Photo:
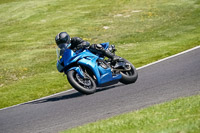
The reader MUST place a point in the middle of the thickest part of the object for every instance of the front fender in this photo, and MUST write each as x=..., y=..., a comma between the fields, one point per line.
x=78, y=70
x=90, y=63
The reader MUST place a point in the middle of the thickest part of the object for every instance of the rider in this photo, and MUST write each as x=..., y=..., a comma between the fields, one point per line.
x=64, y=41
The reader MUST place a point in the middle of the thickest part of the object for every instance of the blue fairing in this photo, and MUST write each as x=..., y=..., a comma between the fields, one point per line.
x=68, y=56
x=87, y=59
x=102, y=75
x=105, y=45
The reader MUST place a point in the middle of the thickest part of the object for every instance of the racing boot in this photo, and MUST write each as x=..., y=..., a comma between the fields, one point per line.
x=110, y=52
x=112, y=56
x=112, y=48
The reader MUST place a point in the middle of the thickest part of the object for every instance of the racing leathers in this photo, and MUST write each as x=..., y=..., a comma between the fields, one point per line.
x=78, y=43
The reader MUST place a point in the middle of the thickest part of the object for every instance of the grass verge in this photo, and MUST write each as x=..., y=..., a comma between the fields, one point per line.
x=178, y=116
x=143, y=31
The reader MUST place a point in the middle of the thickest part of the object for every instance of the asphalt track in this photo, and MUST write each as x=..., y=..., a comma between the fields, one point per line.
x=176, y=77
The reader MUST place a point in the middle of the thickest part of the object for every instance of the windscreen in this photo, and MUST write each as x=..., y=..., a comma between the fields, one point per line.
x=58, y=53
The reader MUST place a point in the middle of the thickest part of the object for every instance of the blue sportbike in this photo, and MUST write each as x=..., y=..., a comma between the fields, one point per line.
x=86, y=71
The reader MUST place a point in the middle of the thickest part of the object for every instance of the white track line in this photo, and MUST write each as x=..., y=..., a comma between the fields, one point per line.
x=137, y=69
x=38, y=99
x=169, y=57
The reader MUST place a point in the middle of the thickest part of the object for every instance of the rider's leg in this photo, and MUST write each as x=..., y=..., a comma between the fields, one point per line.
x=98, y=49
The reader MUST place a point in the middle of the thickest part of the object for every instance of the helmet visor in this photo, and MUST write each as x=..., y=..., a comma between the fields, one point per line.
x=64, y=45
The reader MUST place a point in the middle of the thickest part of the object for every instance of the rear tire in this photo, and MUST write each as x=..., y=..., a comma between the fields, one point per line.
x=129, y=77
x=85, y=86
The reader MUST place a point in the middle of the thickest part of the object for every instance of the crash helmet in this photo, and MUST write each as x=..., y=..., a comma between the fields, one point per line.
x=62, y=39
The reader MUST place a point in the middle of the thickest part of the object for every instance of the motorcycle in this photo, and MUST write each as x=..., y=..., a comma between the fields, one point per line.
x=86, y=71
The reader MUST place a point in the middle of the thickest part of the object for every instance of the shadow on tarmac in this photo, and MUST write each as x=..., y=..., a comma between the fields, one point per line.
x=71, y=95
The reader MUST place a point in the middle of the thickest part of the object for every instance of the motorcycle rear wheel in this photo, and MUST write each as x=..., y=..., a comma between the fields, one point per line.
x=130, y=76
x=85, y=86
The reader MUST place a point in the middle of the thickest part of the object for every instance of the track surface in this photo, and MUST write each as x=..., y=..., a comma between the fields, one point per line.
x=164, y=81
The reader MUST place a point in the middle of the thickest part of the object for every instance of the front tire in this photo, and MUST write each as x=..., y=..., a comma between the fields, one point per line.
x=85, y=86
x=130, y=76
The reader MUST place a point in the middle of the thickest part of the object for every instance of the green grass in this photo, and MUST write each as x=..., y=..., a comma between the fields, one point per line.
x=177, y=116
x=143, y=31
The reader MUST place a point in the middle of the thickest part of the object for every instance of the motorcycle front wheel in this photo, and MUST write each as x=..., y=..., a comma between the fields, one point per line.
x=130, y=76
x=84, y=85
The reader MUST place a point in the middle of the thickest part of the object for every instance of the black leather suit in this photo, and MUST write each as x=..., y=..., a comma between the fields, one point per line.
x=78, y=43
